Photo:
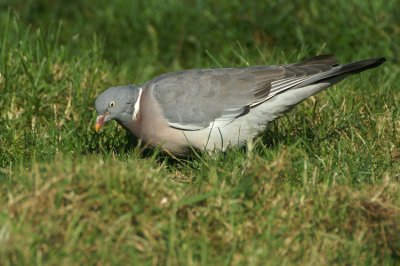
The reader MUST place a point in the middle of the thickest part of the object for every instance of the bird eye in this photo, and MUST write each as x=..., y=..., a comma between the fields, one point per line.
x=112, y=104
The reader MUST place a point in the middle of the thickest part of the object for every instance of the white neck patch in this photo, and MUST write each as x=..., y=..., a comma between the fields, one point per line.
x=137, y=105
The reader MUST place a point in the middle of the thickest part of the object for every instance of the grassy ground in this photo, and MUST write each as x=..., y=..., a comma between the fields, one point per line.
x=321, y=186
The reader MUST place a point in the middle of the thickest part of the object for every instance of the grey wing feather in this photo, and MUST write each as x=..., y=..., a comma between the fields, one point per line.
x=196, y=99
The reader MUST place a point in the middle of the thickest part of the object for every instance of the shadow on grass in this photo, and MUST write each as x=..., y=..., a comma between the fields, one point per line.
x=127, y=145
x=276, y=135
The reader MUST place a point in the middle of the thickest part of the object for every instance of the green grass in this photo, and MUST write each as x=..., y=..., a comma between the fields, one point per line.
x=321, y=186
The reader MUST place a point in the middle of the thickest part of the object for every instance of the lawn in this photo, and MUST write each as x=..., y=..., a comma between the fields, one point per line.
x=321, y=186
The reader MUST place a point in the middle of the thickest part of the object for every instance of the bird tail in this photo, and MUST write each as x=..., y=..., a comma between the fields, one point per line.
x=339, y=72
x=359, y=66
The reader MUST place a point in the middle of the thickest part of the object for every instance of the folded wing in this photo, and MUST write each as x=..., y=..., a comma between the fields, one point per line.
x=197, y=99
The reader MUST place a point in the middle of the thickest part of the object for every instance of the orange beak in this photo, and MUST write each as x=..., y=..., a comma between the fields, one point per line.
x=100, y=122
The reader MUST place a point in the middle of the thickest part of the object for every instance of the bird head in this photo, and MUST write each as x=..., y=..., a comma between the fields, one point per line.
x=116, y=103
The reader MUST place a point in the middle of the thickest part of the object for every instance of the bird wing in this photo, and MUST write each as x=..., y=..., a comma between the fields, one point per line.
x=201, y=98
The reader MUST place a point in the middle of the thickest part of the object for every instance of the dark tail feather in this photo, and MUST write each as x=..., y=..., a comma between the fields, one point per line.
x=357, y=67
x=340, y=72
x=353, y=68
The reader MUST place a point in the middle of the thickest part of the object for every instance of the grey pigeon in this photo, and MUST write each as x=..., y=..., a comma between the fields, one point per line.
x=212, y=109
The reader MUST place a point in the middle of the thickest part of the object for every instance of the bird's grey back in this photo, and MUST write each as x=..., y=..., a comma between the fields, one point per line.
x=193, y=99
